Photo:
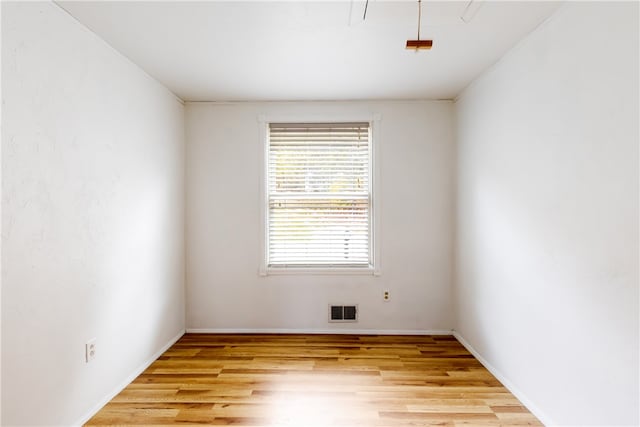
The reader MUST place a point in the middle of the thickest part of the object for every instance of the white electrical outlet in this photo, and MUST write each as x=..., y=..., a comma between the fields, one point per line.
x=386, y=296
x=90, y=350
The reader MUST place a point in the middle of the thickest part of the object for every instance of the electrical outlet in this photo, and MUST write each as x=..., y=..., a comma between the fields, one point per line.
x=386, y=296
x=90, y=350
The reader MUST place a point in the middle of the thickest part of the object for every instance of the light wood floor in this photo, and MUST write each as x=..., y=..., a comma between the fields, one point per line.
x=315, y=380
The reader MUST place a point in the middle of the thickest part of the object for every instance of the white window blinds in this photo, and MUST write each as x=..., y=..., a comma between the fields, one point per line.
x=319, y=195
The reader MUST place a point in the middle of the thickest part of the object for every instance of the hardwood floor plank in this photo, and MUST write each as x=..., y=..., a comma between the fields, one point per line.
x=257, y=380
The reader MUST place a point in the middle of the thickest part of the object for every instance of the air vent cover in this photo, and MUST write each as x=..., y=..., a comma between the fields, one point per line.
x=343, y=313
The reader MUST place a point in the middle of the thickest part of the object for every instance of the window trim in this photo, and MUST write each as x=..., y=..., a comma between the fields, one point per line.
x=374, y=232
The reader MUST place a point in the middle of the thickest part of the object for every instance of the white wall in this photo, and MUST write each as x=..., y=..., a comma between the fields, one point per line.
x=224, y=289
x=547, y=211
x=0, y=233
x=92, y=217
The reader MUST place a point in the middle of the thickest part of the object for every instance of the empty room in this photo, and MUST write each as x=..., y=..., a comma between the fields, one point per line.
x=320, y=213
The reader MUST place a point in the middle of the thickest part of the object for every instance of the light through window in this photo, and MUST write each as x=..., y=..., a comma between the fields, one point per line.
x=319, y=195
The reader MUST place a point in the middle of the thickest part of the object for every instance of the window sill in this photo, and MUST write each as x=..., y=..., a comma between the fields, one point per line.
x=320, y=271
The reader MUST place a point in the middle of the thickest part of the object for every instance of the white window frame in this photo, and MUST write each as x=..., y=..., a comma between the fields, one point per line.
x=374, y=267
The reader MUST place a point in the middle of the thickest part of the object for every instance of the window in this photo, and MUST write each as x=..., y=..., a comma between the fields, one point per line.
x=319, y=195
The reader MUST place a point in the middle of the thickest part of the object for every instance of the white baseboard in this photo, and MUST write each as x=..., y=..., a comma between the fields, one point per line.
x=508, y=384
x=319, y=331
x=128, y=380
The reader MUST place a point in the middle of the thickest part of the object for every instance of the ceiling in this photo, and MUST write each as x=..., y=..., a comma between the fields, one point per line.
x=311, y=50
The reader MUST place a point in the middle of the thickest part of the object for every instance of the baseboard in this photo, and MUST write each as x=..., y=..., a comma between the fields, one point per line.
x=319, y=331
x=128, y=380
x=508, y=384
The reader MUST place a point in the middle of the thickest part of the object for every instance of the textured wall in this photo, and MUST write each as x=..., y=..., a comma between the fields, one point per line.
x=547, y=235
x=92, y=217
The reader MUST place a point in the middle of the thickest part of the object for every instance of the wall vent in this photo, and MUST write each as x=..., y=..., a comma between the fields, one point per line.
x=343, y=313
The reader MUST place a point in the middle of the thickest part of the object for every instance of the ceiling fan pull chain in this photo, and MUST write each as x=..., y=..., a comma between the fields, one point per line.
x=419, y=16
x=419, y=44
